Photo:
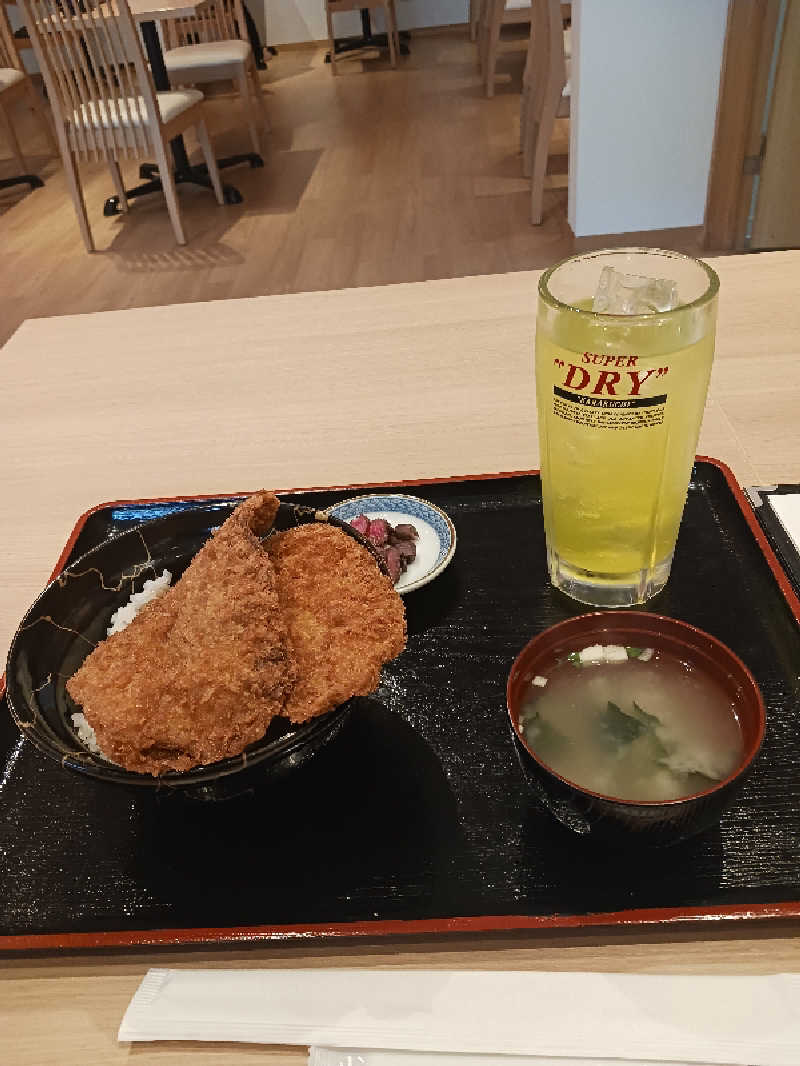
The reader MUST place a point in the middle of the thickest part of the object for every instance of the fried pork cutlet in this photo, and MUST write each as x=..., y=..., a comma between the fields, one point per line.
x=200, y=673
x=344, y=617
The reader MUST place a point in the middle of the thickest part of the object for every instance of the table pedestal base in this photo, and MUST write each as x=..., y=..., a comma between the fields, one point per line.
x=372, y=40
x=22, y=179
x=368, y=39
x=194, y=175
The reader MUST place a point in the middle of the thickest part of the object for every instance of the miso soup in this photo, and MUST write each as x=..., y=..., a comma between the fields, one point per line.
x=632, y=724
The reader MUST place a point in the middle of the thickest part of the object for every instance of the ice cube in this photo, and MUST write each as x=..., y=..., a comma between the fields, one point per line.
x=630, y=294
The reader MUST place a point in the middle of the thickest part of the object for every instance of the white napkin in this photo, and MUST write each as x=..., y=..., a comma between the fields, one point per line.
x=787, y=510
x=326, y=1056
x=735, y=1021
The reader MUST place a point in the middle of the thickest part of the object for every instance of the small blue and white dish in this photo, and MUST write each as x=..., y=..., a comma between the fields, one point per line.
x=437, y=534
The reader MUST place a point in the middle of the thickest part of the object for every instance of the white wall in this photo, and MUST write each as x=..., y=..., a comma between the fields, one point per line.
x=645, y=80
x=291, y=21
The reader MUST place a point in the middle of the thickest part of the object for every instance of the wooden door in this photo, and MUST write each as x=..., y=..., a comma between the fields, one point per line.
x=775, y=220
x=751, y=199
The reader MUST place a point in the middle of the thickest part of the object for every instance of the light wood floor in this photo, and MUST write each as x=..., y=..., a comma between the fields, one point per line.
x=373, y=177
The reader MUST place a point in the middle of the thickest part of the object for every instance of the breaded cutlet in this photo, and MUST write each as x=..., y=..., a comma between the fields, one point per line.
x=200, y=672
x=344, y=617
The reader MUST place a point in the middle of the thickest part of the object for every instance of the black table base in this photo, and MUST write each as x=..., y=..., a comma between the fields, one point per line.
x=188, y=174
x=368, y=39
x=22, y=179
x=374, y=40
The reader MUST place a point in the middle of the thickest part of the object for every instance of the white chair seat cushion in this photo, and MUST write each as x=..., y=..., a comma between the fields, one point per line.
x=9, y=76
x=108, y=114
x=212, y=61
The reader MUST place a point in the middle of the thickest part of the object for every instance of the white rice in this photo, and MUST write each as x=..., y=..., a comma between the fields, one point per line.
x=86, y=734
x=120, y=619
x=151, y=590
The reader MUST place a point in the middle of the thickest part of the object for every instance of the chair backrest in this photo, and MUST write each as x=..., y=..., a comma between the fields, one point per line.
x=9, y=56
x=218, y=20
x=99, y=86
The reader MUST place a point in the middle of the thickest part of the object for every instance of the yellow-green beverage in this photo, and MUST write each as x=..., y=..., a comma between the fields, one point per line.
x=620, y=399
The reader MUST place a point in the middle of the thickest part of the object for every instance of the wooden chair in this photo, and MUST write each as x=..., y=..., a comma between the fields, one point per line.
x=545, y=95
x=104, y=102
x=16, y=85
x=494, y=14
x=475, y=10
x=213, y=46
x=332, y=7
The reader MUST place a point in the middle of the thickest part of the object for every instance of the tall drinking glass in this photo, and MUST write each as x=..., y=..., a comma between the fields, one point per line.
x=620, y=395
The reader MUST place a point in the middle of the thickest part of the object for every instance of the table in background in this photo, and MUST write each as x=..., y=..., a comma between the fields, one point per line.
x=368, y=39
x=22, y=179
x=147, y=13
x=274, y=391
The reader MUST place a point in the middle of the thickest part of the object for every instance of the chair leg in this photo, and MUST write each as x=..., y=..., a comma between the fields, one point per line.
x=523, y=117
x=543, y=137
x=390, y=32
x=527, y=131
x=487, y=7
x=259, y=97
x=75, y=191
x=474, y=19
x=168, y=184
x=113, y=166
x=331, y=43
x=39, y=106
x=492, y=41
x=201, y=132
x=396, y=30
x=529, y=134
x=248, y=103
x=16, y=151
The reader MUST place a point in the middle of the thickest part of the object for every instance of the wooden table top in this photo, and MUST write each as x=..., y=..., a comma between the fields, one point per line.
x=154, y=10
x=333, y=388
x=146, y=10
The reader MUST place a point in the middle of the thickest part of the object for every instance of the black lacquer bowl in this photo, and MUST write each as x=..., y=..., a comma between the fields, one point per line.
x=607, y=819
x=72, y=615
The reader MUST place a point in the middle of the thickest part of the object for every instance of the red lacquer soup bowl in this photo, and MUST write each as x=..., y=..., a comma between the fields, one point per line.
x=607, y=818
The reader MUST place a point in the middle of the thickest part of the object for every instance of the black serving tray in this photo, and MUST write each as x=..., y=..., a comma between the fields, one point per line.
x=416, y=818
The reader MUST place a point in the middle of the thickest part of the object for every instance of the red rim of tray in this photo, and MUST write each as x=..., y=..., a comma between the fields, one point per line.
x=427, y=926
